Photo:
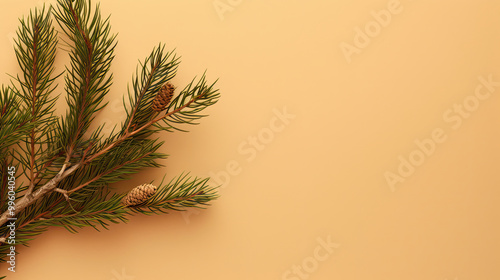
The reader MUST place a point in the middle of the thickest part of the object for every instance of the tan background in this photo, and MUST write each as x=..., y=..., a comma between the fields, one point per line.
x=322, y=174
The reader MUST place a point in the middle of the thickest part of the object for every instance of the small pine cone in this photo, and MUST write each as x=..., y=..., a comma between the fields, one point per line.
x=163, y=97
x=139, y=194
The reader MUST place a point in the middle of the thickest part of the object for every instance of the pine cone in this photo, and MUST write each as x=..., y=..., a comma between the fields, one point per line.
x=163, y=97
x=139, y=194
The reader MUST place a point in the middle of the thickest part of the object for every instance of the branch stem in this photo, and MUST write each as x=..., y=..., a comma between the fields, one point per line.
x=33, y=109
x=27, y=200
x=148, y=124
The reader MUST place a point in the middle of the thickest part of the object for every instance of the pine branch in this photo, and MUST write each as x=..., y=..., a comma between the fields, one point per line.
x=157, y=69
x=88, y=80
x=69, y=171
x=35, y=51
x=99, y=210
x=186, y=107
x=207, y=97
x=178, y=194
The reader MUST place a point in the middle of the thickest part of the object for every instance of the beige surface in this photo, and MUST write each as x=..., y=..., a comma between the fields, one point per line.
x=321, y=174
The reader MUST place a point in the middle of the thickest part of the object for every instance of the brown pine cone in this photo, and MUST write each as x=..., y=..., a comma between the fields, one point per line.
x=163, y=97
x=139, y=194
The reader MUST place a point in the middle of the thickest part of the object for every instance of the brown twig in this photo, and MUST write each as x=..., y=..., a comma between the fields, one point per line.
x=65, y=193
x=47, y=164
x=33, y=110
x=27, y=200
